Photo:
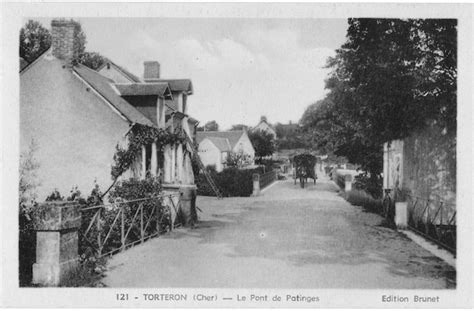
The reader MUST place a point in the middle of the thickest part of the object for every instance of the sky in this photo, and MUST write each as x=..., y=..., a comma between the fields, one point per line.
x=241, y=69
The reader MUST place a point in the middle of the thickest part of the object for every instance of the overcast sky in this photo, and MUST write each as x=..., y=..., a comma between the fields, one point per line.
x=240, y=68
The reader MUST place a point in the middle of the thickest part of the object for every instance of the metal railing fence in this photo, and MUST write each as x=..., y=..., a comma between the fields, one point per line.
x=267, y=178
x=113, y=227
x=433, y=219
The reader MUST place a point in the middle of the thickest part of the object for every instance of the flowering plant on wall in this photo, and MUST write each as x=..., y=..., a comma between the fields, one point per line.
x=142, y=135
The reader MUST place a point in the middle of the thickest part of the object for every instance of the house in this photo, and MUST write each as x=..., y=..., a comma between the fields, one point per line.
x=214, y=147
x=77, y=116
x=264, y=126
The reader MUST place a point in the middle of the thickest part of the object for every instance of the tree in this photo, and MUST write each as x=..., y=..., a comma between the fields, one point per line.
x=237, y=159
x=92, y=60
x=263, y=143
x=28, y=182
x=34, y=40
x=401, y=74
x=239, y=127
x=211, y=126
x=289, y=136
x=390, y=78
x=79, y=41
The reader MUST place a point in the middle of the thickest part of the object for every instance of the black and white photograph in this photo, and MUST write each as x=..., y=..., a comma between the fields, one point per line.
x=238, y=159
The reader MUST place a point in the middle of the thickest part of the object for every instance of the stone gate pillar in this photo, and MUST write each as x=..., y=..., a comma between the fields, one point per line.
x=187, y=206
x=256, y=185
x=348, y=182
x=56, y=224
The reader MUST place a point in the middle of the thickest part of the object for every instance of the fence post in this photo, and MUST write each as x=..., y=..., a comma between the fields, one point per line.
x=401, y=214
x=99, y=243
x=256, y=184
x=427, y=217
x=57, y=241
x=348, y=182
x=122, y=226
x=158, y=225
x=142, y=234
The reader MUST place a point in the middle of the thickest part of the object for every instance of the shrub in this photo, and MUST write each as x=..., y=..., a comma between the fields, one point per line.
x=54, y=196
x=363, y=199
x=231, y=181
x=373, y=186
x=235, y=182
x=28, y=183
x=339, y=179
x=130, y=190
x=75, y=194
x=269, y=164
x=237, y=159
x=133, y=189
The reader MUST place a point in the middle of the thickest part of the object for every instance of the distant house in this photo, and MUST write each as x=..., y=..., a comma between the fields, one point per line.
x=77, y=117
x=264, y=126
x=214, y=147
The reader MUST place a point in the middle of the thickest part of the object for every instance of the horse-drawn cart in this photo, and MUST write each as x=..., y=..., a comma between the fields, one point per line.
x=304, y=167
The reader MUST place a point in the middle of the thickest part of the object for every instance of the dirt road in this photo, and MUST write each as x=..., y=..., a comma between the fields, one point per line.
x=286, y=238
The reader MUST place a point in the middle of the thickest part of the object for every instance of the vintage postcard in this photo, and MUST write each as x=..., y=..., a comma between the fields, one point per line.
x=236, y=155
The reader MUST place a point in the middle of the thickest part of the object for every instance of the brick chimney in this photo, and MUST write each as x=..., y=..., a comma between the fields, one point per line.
x=152, y=71
x=63, y=40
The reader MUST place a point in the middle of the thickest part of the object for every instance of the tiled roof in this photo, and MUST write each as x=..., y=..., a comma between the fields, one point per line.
x=104, y=87
x=232, y=136
x=142, y=89
x=127, y=73
x=222, y=144
x=177, y=85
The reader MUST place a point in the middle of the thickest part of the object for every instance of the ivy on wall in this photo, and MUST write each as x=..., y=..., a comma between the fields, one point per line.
x=142, y=135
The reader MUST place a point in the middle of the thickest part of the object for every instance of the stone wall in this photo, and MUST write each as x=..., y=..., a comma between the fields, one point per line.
x=424, y=166
x=430, y=165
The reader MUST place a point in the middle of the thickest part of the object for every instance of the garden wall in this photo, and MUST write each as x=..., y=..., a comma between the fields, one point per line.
x=424, y=166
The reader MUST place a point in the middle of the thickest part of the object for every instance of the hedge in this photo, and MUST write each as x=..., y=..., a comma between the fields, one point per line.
x=361, y=198
x=233, y=182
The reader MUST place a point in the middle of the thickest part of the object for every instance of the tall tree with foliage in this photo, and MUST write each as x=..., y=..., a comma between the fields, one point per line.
x=92, y=60
x=263, y=143
x=239, y=127
x=211, y=126
x=390, y=78
x=36, y=39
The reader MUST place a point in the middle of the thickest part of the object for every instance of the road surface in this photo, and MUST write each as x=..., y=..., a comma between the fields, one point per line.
x=286, y=238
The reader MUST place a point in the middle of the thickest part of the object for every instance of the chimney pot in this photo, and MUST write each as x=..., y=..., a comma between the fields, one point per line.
x=63, y=40
x=152, y=71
